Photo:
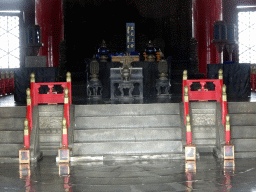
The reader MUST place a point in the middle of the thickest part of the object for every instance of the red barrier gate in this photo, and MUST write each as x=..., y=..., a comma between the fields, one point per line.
x=203, y=93
x=34, y=97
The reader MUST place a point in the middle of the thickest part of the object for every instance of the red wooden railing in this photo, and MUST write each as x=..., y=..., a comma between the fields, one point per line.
x=6, y=83
x=35, y=98
x=203, y=94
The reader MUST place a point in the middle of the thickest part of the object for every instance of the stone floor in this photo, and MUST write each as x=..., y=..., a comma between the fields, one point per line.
x=122, y=176
x=207, y=174
x=8, y=101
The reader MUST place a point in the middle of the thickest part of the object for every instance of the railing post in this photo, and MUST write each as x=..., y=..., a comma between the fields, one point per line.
x=29, y=109
x=227, y=130
x=188, y=131
x=186, y=103
x=63, y=152
x=224, y=104
x=32, y=87
x=26, y=134
x=190, y=150
x=24, y=154
x=221, y=76
x=68, y=79
x=184, y=83
x=64, y=133
x=229, y=149
x=66, y=106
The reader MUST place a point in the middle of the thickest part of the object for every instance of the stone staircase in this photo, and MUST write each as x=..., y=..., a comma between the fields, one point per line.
x=204, y=125
x=243, y=128
x=11, y=132
x=50, y=126
x=127, y=132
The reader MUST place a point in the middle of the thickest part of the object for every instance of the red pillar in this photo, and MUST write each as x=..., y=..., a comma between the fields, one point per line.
x=49, y=15
x=204, y=13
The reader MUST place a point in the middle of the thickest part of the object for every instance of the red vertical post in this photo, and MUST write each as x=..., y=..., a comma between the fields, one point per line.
x=26, y=135
x=204, y=14
x=224, y=104
x=64, y=133
x=186, y=103
x=184, y=82
x=49, y=16
x=66, y=106
x=68, y=79
x=33, y=89
x=227, y=131
x=188, y=130
x=29, y=110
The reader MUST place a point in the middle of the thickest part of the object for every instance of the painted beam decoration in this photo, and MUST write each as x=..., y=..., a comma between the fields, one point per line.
x=130, y=37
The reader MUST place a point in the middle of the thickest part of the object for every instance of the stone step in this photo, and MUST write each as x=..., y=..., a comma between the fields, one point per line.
x=12, y=124
x=243, y=119
x=244, y=145
x=50, y=122
x=241, y=107
x=127, y=148
x=17, y=111
x=51, y=110
x=11, y=137
x=243, y=132
x=127, y=121
x=129, y=110
x=50, y=138
x=10, y=150
x=205, y=148
x=204, y=132
x=136, y=134
x=203, y=105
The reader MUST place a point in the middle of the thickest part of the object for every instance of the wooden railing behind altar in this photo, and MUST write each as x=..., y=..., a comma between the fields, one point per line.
x=6, y=83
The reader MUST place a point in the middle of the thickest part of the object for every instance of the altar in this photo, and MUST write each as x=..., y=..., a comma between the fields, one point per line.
x=143, y=72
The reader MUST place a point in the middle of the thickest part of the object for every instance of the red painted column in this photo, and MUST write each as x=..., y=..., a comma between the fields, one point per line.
x=204, y=13
x=49, y=15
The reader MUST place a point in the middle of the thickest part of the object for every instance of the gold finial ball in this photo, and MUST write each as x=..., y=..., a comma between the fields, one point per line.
x=32, y=75
x=66, y=91
x=64, y=121
x=227, y=118
x=186, y=89
x=28, y=92
x=224, y=88
x=185, y=72
x=26, y=123
x=68, y=77
x=188, y=118
x=221, y=71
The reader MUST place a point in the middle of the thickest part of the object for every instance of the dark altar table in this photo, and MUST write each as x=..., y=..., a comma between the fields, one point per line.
x=150, y=75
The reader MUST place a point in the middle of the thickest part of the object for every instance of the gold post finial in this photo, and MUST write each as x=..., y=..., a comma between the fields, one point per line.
x=28, y=96
x=224, y=93
x=64, y=126
x=220, y=74
x=185, y=75
x=68, y=77
x=66, y=97
x=227, y=123
x=188, y=125
x=26, y=131
x=32, y=78
x=186, y=93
